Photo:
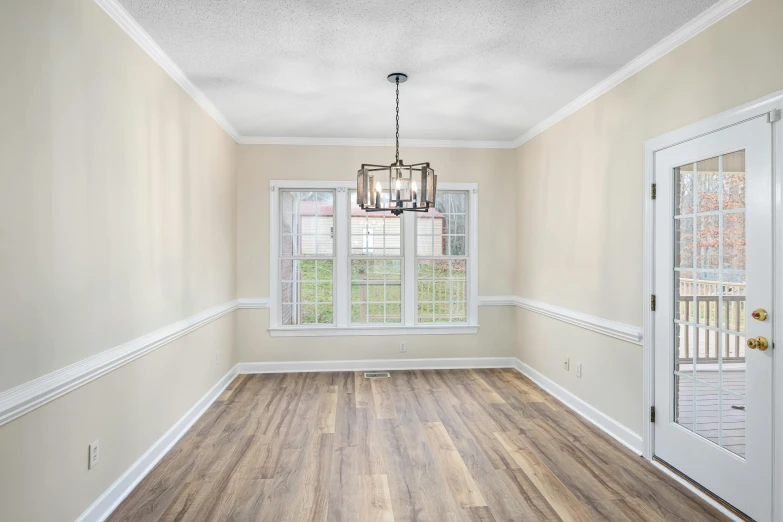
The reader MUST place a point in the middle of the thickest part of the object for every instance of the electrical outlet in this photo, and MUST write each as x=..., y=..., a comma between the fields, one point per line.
x=578, y=369
x=403, y=347
x=217, y=358
x=567, y=364
x=94, y=454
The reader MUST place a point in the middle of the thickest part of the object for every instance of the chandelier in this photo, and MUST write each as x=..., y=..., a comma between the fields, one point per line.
x=409, y=187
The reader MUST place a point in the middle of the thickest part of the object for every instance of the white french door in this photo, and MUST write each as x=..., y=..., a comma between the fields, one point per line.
x=713, y=287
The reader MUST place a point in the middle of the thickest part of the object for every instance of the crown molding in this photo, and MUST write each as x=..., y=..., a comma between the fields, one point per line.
x=129, y=24
x=33, y=394
x=376, y=142
x=706, y=19
x=671, y=42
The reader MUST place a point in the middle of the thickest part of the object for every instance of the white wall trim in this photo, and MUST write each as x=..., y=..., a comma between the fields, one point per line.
x=111, y=498
x=253, y=302
x=375, y=364
x=498, y=300
x=333, y=331
x=376, y=142
x=611, y=427
x=777, y=481
x=622, y=331
x=132, y=28
x=675, y=39
x=706, y=19
x=33, y=394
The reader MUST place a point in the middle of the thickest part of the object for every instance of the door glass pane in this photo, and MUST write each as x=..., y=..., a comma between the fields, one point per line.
x=708, y=183
x=706, y=411
x=683, y=242
x=709, y=294
x=733, y=415
x=707, y=241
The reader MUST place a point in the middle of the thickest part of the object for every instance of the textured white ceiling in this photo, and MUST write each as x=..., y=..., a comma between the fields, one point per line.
x=479, y=70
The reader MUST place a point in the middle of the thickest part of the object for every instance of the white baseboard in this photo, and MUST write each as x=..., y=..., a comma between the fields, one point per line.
x=614, y=429
x=111, y=498
x=372, y=365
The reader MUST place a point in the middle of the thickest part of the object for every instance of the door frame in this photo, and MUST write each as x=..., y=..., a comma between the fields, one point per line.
x=773, y=106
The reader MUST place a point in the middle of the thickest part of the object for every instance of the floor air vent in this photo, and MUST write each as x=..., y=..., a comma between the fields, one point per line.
x=376, y=375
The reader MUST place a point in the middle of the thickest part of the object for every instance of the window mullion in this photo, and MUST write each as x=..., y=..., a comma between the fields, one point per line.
x=342, y=269
x=409, y=269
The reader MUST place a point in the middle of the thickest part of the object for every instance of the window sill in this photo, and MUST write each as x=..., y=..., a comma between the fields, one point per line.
x=333, y=331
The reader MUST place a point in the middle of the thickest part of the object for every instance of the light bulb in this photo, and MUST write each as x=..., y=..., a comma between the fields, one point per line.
x=378, y=186
x=398, y=184
x=413, y=186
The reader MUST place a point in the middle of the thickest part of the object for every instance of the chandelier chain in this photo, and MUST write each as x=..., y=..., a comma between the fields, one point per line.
x=397, y=136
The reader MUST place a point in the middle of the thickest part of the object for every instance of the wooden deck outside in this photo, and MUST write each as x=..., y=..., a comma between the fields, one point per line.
x=713, y=333
x=708, y=410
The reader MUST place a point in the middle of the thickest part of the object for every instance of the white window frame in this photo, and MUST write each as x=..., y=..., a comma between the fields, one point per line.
x=342, y=277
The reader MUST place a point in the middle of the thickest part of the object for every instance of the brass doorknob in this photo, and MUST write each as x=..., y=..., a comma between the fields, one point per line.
x=759, y=343
x=759, y=314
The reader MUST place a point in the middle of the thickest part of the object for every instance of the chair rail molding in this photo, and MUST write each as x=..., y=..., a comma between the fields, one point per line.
x=622, y=331
x=253, y=302
x=33, y=394
x=498, y=300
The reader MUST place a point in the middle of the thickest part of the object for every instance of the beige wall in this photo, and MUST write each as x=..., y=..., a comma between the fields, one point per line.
x=579, y=195
x=117, y=217
x=43, y=455
x=492, y=169
x=125, y=208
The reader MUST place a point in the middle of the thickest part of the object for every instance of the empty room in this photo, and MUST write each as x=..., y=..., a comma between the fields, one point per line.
x=391, y=261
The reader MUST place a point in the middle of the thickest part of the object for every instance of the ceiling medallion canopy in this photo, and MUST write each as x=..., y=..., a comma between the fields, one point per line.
x=409, y=187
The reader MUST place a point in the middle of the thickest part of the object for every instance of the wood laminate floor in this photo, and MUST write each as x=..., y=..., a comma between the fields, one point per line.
x=445, y=445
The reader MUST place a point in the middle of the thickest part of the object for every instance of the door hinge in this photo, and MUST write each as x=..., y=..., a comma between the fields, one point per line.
x=652, y=413
x=652, y=303
x=773, y=116
x=653, y=191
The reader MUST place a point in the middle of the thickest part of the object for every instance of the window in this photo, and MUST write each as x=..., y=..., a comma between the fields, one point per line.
x=307, y=257
x=338, y=270
x=442, y=260
x=376, y=266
